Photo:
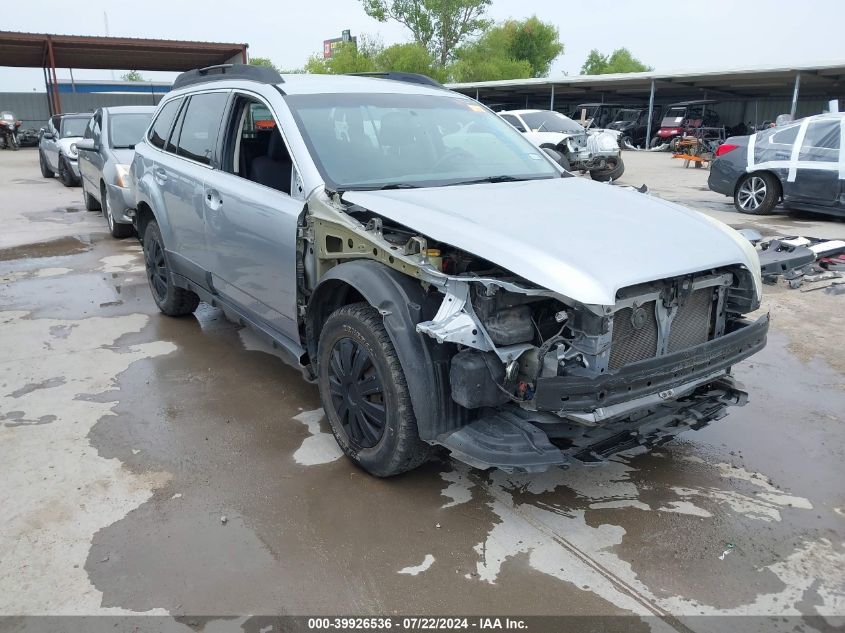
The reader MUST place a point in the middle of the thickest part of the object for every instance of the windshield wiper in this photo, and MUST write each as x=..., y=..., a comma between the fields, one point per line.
x=397, y=185
x=502, y=178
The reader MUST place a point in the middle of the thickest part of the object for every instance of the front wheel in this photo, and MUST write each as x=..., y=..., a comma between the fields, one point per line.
x=170, y=299
x=45, y=167
x=615, y=169
x=757, y=193
x=117, y=230
x=365, y=395
x=65, y=173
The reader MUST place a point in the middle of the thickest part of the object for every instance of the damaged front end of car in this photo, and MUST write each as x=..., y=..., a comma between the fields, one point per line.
x=536, y=378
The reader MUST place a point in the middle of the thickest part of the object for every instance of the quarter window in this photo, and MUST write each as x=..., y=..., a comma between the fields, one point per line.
x=198, y=136
x=163, y=123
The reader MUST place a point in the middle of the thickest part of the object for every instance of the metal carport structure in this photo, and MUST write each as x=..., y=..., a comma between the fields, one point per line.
x=49, y=51
x=823, y=81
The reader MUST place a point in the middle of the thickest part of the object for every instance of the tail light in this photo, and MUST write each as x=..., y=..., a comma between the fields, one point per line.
x=724, y=148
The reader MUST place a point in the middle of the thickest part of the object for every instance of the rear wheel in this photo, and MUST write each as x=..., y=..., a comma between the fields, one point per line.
x=365, y=395
x=45, y=167
x=757, y=193
x=170, y=299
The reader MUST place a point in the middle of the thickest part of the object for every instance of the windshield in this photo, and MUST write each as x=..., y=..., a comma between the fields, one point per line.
x=628, y=115
x=7, y=116
x=126, y=130
x=371, y=141
x=674, y=116
x=551, y=122
x=73, y=126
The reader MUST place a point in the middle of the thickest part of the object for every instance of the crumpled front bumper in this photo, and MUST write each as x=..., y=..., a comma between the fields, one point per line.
x=120, y=201
x=658, y=375
x=642, y=404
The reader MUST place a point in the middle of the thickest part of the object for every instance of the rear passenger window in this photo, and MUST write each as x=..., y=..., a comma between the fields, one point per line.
x=163, y=123
x=201, y=123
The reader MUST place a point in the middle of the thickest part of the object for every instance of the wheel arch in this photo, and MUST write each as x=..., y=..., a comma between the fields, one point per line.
x=758, y=172
x=403, y=303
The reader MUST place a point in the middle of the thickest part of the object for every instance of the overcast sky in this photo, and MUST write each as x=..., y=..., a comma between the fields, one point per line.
x=669, y=35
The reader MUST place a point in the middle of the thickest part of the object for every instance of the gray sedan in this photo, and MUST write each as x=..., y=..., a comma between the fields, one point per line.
x=800, y=164
x=105, y=153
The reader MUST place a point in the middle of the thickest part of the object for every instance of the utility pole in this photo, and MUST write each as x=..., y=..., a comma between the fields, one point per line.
x=106, y=25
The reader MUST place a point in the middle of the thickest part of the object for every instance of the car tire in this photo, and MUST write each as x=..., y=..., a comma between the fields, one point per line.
x=91, y=203
x=611, y=173
x=170, y=299
x=757, y=193
x=65, y=174
x=45, y=167
x=117, y=230
x=376, y=426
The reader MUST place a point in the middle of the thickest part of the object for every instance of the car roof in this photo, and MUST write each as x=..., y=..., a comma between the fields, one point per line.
x=75, y=115
x=133, y=109
x=528, y=111
x=592, y=105
x=303, y=83
x=693, y=102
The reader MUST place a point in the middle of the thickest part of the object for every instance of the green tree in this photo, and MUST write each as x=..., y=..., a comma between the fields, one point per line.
x=409, y=58
x=132, y=75
x=439, y=25
x=347, y=57
x=262, y=61
x=511, y=50
x=619, y=61
x=535, y=41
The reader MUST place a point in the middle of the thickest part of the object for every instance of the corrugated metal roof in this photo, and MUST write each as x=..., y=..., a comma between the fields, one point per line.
x=83, y=51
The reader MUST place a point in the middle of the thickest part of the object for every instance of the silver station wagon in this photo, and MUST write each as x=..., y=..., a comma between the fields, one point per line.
x=441, y=279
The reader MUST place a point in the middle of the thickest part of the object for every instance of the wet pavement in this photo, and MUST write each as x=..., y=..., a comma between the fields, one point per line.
x=179, y=466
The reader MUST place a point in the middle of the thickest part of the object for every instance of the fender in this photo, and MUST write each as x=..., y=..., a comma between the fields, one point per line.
x=402, y=303
x=148, y=191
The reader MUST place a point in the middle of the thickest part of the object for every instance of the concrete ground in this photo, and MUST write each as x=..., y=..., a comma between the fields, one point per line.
x=177, y=466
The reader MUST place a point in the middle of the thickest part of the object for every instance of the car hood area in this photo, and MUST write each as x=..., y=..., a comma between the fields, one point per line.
x=577, y=238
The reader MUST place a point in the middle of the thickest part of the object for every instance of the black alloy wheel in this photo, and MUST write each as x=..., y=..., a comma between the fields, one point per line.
x=156, y=269
x=357, y=393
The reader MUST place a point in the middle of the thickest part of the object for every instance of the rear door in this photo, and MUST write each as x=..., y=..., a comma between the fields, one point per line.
x=180, y=171
x=814, y=179
x=251, y=222
x=85, y=156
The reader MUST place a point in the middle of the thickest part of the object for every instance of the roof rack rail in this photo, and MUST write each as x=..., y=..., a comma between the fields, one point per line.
x=261, y=74
x=411, y=78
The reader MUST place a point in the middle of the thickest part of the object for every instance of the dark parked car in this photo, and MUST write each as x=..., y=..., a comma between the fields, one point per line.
x=105, y=154
x=632, y=124
x=684, y=118
x=798, y=164
x=597, y=115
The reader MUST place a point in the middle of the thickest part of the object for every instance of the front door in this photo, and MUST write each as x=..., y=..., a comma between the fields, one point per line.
x=50, y=146
x=252, y=218
x=91, y=161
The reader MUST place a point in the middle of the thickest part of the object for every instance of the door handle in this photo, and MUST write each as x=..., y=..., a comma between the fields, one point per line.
x=160, y=174
x=212, y=199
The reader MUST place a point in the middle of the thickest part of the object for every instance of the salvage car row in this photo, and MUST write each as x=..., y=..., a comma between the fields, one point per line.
x=95, y=151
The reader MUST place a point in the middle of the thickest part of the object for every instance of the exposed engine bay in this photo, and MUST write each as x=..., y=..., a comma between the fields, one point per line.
x=542, y=378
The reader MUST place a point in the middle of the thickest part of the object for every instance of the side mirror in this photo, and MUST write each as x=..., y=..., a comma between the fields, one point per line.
x=48, y=135
x=87, y=143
